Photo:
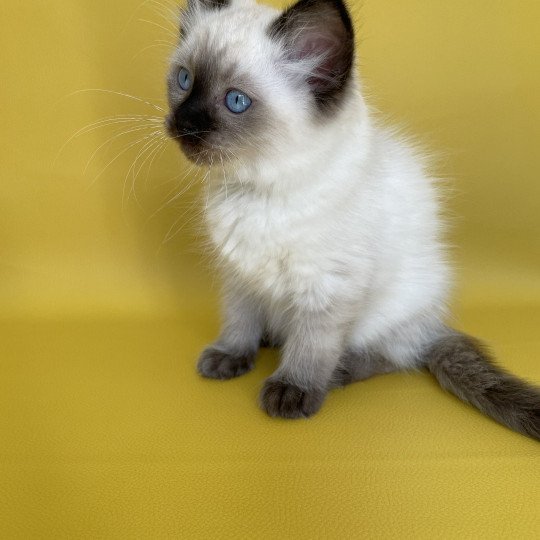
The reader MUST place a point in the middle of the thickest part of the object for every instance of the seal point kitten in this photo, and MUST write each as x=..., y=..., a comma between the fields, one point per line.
x=326, y=226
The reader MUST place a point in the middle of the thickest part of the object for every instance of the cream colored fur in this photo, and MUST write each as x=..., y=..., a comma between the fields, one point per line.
x=327, y=229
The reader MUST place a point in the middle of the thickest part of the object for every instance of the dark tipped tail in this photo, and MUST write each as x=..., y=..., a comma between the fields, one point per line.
x=463, y=366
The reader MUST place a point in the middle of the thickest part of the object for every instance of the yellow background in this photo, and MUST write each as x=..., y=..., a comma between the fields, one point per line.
x=107, y=432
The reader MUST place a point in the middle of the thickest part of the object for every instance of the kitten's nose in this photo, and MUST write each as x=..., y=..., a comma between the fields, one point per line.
x=189, y=135
x=193, y=121
x=187, y=128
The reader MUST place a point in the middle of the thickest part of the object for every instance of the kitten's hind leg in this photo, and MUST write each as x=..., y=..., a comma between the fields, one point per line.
x=358, y=365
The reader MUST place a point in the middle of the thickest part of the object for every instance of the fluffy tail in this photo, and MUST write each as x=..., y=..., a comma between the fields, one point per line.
x=462, y=366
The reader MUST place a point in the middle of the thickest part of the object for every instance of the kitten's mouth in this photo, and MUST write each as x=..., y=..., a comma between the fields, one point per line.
x=197, y=152
x=193, y=146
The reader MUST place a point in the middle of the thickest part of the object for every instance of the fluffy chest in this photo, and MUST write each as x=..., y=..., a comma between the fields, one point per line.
x=255, y=238
x=270, y=246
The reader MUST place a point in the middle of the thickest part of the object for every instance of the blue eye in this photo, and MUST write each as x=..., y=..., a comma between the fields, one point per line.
x=236, y=101
x=184, y=79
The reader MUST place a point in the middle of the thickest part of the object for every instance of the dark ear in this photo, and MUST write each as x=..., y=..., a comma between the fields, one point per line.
x=321, y=31
x=208, y=4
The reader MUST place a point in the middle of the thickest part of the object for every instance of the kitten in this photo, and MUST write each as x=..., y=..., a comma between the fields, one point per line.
x=325, y=225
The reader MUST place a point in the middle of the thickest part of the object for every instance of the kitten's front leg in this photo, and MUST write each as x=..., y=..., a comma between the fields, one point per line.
x=311, y=353
x=233, y=354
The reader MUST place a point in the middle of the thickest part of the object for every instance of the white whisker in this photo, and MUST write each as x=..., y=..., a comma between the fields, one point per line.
x=110, y=140
x=153, y=46
x=155, y=158
x=153, y=23
x=105, y=122
x=148, y=144
x=117, y=93
x=128, y=147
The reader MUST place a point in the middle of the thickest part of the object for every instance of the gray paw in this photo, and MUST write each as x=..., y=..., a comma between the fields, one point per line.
x=280, y=398
x=218, y=364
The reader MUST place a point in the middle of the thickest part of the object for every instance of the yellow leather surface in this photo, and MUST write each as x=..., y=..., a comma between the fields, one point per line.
x=107, y=432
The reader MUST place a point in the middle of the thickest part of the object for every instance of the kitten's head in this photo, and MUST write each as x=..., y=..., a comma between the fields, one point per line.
x=246, y=76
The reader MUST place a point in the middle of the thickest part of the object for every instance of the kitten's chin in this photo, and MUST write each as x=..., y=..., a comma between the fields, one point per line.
x=194, y=149
x=200, y=154
x=191, y=150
